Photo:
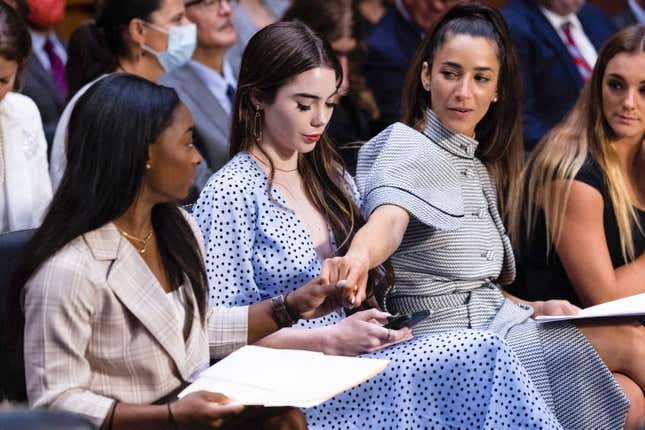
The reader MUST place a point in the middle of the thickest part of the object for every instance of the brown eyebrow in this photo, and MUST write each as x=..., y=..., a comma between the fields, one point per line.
x=313, y=96
x=617, y=76
x=460, y=67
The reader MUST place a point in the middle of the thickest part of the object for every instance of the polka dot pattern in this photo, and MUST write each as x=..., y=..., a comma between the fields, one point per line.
x=256, y=249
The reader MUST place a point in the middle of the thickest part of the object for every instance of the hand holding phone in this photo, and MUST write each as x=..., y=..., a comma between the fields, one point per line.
x=396, y=322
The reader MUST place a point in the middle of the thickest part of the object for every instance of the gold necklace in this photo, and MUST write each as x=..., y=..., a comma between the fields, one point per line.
x=145, y=240
x=269, y=166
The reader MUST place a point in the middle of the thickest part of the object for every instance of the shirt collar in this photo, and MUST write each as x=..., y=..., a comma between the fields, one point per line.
x=219, y=81
x=38, y=39
x=455, y=143
x=557, y=20
x=637, y=10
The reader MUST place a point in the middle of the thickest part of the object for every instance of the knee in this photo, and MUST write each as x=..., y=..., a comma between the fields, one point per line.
x=636, y=414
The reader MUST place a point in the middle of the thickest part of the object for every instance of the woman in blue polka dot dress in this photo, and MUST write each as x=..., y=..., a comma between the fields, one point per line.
x=283, y=204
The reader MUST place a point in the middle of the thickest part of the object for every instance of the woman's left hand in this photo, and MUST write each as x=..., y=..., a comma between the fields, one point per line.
x=553, y=307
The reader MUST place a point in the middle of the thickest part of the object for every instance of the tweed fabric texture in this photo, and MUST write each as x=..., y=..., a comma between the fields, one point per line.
x=452, y=261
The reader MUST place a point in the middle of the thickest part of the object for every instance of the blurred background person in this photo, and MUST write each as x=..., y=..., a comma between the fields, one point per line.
x=390, y=47
x=633, y=13
x=25, y=188
x=208, y=82
x=582, y=236
x=355, y=112
x=132, y=36
x=366, y=14
x=251, y=16
x=557, y=43
x=44, y=76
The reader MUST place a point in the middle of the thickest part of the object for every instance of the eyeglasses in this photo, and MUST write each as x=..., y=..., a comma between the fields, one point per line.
x=207, y=3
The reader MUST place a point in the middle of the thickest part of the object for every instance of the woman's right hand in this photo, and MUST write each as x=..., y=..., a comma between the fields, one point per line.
x=203, y=409
x=362, y=333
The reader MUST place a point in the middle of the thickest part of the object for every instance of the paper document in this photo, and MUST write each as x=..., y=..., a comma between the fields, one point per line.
x=255, y=375
x=631, y=306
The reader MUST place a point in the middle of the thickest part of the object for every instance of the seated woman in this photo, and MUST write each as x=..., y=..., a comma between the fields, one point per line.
x=114, y=286
x=283, y=204
x=25, y=188
x=430, y=189
x=131, y=36
x=586, y=182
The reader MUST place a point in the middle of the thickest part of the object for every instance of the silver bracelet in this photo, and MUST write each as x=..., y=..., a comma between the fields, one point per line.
x=281, y=313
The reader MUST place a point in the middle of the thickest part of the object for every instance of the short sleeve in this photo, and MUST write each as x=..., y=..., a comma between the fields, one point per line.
x=402, y=167
x=225, y=213
x=591, y=174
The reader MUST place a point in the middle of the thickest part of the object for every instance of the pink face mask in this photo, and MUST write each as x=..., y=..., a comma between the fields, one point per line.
x=46, y=13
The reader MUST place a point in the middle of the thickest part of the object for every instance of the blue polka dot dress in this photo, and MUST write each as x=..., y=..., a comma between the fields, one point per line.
x=465, y=379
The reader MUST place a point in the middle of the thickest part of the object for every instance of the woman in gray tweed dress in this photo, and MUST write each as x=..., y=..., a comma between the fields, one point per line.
x=429, y=188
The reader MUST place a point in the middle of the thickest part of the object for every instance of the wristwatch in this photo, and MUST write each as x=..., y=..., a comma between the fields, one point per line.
x=281, y=313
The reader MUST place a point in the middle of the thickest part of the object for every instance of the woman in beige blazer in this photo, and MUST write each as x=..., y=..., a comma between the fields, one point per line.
x=114, y=294
x=25, y=188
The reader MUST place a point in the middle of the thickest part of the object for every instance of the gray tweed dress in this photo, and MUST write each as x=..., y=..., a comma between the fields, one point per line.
x=455, y=254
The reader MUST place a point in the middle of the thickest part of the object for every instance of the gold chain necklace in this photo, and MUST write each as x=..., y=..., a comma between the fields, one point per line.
x=145, y=240
x=269, y=166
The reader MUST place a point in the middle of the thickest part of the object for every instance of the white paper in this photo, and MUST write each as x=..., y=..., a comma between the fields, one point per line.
x=255, y=375
x=631, y=306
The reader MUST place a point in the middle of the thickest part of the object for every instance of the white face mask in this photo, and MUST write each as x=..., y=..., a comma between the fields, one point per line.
x=182, y=41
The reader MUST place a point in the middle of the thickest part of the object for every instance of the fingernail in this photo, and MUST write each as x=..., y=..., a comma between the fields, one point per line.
x=353, y=299
x=355, y=288
x=342, y=283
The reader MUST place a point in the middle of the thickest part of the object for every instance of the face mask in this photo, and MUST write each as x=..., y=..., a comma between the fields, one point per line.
x=182, y=40
x=44, y=14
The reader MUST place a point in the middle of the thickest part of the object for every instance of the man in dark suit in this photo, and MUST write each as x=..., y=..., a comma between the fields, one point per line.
x=557, y=43
x=391, y=46
x=44, y=74
x=634, y=13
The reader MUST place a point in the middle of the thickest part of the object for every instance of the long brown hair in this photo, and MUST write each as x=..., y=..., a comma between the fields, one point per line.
x=499, y=133
x=585, y=132
x=274, y=56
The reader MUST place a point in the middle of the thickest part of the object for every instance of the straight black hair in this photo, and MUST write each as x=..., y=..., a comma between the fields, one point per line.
x=107, y=155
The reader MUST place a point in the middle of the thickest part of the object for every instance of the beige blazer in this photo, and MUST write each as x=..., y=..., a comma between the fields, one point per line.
x=99, y=327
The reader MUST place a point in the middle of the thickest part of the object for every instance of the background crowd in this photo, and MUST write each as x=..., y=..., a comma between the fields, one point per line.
x=555, y=157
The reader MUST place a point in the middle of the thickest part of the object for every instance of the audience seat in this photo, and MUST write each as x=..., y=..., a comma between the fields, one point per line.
x=12, y=382
x=42, y=420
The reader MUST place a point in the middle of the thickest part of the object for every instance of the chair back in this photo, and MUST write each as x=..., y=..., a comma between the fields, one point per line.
x=12, y=382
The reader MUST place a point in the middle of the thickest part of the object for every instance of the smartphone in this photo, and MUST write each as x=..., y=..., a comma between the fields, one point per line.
x=396, y=322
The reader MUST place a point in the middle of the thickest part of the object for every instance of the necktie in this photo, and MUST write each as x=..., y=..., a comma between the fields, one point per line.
x=57, y=67
x=230, y=93
x=583, y=67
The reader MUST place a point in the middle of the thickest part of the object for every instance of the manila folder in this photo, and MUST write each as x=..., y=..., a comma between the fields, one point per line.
x=255, y=375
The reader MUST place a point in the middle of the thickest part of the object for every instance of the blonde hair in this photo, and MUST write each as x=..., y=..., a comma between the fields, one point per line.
x=562, y=153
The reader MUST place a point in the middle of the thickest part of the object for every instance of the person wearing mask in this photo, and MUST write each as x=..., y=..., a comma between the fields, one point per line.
x=114, y=289
x=390, y=47
x=557, y=43
x=585, y=182
x=633, y=13
x=207, y=83
x=437, y=190
x=44, y=76
x=142, y=37
x=25, y=188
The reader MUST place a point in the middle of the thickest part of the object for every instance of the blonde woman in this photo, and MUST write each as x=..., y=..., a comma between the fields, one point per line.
x=582, y=235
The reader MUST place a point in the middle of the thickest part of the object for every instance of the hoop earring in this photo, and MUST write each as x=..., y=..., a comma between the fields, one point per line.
x=257, y=126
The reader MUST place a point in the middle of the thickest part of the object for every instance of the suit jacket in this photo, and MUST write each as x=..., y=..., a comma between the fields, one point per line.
x=38, y=84
x=551, y=80
x=28, y=188
x=99, y=328
x=391, y=46
x=212, y=122
x=625, y=18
